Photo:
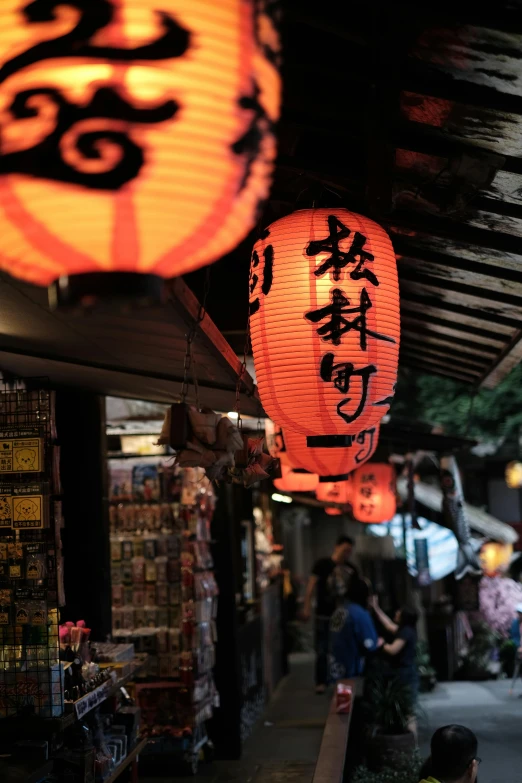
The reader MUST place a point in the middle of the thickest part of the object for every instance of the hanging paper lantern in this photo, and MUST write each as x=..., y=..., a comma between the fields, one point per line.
x=496, y=557
x=334, y=492
x=296, y=480
x=137, y=135
x=275, y=443
x=324, y=308
x=374, y=497
x=332, y=511
x=514, y=475
x=334, y=462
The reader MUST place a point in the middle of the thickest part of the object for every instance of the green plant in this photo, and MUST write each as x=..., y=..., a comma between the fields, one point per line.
x=507, y=654
x=476, y=664
x=427, y=674
x=406, y=769
x=389, y=705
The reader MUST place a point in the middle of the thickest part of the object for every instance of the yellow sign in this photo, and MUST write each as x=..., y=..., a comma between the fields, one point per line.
x=27, y=511
x=21, y=455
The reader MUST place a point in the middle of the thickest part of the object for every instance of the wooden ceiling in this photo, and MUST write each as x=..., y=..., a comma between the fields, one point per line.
x=412, y=114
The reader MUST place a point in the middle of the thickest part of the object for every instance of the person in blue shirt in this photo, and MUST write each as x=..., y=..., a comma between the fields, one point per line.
x=516, y=636
x=352, y=633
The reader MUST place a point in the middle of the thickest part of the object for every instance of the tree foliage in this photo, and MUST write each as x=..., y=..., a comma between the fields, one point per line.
x=462, y=410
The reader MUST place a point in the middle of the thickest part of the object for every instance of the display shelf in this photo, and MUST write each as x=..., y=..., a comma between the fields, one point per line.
x=74, y=713
x=128, y=760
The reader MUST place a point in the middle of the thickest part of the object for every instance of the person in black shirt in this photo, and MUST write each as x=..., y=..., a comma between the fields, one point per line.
x=329, y=581
x=401, y=652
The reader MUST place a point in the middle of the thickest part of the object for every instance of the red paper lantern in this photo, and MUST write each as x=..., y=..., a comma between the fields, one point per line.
x=324, y=314
x=275, y=443
x=137, y=135
x=334, y=492
x=332, y=511
x=335, y=462
x=374, y=497
x=296, y=481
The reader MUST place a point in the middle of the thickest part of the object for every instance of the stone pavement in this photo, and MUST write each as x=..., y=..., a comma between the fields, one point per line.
x=285, y=744
x=488, y=710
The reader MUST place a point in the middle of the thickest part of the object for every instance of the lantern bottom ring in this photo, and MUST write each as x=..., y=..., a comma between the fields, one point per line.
x=333, y=479
x=86, y=290
x=329, y=441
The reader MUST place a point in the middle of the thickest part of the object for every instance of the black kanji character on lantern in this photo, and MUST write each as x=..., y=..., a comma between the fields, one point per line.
x=342, y=374
x=368, y=478
x=339, y=324
x=366, y=492
x=338, y=258
x=366, y=508
x=268, y=273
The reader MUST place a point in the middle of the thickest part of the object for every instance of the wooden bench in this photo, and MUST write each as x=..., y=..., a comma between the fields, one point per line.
x=332, y=754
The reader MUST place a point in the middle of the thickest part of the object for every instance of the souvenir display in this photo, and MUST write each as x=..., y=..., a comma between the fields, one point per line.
x=164, y=594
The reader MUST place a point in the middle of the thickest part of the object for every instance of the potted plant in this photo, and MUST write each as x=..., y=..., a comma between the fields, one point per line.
x=507, y=654
x=427, y=674
x=406, y=769
x=390, y=710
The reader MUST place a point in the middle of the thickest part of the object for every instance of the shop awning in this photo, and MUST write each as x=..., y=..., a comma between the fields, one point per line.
x=442, y=544
x=480, y=521
x=138, y=354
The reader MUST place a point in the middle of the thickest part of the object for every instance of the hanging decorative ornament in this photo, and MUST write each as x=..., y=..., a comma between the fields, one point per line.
x=334, y=463
x=296, y=480
x=514, y=475
x=275, y=443
x=374, y=497
x=332, y=511
x=334, y=492
x=137, y=137
x=496, y=557
x=324, y=314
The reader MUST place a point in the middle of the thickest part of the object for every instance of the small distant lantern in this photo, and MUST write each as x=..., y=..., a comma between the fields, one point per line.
x=332, y=511
x=296, y=480
x=334, y=492
x=334, y=462
x=324, y=315
x=275, y=443
x=496, y=557
x=514, y=475
x=374, y=493
x=137, y=137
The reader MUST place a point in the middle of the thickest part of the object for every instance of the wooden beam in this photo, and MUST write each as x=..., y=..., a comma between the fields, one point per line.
x=463, y=276
x=506, y=362
x=420, y=308
x=414, y=329
x=444, y=361
x=448, y=298
x=435, y=369
x=423, y=346
x=188, y=307
x=507, y=268
x=425, y=79
x=453, y=230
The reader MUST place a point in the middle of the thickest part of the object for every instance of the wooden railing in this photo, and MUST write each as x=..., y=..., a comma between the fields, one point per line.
x=332, y=754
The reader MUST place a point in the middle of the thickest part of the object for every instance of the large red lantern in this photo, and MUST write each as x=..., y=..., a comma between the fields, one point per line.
x=334, y=492
x=137, y=135
x=324, y=308
x=334, y=462
x=296, y=480
x=374, y=496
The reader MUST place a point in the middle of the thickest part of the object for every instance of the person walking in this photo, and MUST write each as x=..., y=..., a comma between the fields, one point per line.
x=516, y=637
x=352, y=633
x=329, y=583
x=453, y=756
